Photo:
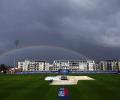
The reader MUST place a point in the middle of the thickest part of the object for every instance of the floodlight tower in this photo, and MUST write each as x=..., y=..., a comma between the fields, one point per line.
x=16, y=42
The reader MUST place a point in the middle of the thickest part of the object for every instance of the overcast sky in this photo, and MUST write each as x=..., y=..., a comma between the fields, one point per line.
x=90, y=27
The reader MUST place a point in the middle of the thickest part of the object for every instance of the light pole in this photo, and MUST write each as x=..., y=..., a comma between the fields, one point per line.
x=16, y=42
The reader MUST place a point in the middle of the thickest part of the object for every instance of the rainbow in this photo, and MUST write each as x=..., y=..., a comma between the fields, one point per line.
x=40, y=46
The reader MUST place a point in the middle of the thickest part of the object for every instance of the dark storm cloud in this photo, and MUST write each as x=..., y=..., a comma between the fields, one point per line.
x=87, y=26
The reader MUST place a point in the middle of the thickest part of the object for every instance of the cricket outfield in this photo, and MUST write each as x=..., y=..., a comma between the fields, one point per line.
x=34, y=87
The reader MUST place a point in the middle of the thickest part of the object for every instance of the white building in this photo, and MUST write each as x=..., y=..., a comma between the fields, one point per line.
x=73, y=65
x=91, y=65
x=109, y=65
x=28, y=65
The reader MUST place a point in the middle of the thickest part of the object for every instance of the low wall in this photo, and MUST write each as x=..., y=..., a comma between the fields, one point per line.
x=73, y=72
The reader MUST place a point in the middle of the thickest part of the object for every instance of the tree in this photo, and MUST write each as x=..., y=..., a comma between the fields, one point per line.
x=3, y=68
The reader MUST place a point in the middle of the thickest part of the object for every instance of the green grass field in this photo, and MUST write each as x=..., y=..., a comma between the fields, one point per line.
x=33, y=87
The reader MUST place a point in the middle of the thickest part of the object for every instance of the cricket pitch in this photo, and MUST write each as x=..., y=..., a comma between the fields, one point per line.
x=71, y=80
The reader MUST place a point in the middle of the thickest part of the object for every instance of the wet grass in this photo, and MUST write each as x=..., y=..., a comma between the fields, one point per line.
x=33, y=87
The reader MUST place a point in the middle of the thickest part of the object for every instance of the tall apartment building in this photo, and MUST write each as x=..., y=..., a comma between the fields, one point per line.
x=28, y=65
x=109, y=65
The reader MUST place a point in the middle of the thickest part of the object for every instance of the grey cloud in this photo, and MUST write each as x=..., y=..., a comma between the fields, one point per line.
x=73, y=24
